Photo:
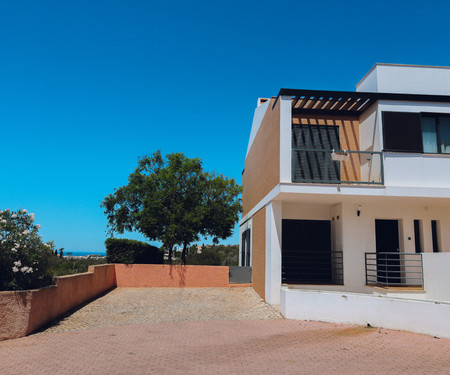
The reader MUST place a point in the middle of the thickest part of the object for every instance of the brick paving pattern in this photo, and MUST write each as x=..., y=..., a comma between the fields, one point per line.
x=133, y=340
x=227, y=347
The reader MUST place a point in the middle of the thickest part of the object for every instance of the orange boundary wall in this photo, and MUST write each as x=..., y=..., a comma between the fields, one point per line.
x=156, y=275
x=23, y=312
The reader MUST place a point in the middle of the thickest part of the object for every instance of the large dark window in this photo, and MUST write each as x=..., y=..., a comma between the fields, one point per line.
x=402, y=132
x=416, y=132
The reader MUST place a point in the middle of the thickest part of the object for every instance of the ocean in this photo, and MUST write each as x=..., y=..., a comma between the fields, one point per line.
x=83, y=253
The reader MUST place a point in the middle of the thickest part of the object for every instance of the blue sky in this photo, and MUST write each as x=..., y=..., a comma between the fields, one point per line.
x=89, y=86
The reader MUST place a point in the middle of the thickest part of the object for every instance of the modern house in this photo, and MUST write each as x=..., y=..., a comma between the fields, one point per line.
x=350, y=191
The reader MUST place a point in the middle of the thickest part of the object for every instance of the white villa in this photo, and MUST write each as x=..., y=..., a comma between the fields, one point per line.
x=347, y=201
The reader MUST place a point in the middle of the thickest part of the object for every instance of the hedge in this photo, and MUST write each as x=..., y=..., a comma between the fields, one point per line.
x=131, y=251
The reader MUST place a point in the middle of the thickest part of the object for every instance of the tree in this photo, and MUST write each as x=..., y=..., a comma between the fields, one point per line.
x=174, y=201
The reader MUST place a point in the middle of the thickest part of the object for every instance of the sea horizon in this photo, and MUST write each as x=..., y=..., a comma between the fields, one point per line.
x=83, y=253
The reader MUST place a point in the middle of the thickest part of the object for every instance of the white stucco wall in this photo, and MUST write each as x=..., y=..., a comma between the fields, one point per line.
x=260, y=111
x=336, y=307
x=406, y=79
x=273, y=252
x=416, y=170
x=285, y=138
x=436, y=269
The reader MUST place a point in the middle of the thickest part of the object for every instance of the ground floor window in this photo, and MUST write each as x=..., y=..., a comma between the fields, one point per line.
x=435, y=235
x=418, y=235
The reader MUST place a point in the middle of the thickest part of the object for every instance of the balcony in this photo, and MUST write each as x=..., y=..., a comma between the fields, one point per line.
x=337, y=166
x=394, y=270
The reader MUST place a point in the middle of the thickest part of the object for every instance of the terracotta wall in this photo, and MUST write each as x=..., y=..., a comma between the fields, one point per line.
x=155, y=275
x=262, y=165
x=23, y=312
x=259, y=252
x=14, y=314
x=349, y=138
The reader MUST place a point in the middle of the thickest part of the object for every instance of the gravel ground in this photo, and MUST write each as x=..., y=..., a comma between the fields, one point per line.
x=124, y=306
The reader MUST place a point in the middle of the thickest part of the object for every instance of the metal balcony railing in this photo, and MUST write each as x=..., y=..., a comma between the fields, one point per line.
x=394, y=269
x=312, y=267
x=337, y=166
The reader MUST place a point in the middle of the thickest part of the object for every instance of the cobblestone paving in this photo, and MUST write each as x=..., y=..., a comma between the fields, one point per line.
x=274, y=346
x=125, y=306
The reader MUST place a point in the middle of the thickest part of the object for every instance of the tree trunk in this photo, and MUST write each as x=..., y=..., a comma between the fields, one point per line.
x=170, y=254
x=183, y=254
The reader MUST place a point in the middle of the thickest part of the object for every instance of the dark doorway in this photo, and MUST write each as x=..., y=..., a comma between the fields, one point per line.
x=388, y=257
x=306, y=252
x=245, y=255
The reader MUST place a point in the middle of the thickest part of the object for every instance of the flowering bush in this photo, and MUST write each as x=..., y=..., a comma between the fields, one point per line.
x=24, y=258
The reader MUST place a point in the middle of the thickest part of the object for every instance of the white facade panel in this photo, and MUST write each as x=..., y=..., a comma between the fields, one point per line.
x=436, y=269
x=416, y=170
x=285, y=138
x=425, y=317
x=273, y=252
x=406, y=79
x=257, y=119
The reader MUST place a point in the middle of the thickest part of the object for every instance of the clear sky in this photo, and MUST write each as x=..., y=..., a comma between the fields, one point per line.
x=89, y=86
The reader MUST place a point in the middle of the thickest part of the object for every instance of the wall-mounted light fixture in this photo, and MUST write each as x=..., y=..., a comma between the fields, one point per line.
x=359, y=210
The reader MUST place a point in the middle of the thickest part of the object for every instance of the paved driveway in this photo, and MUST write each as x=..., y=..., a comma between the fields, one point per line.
x=269, y=345
x=152, y=305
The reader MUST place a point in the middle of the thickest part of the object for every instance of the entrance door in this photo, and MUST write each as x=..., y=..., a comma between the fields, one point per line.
x=388, y=257
x=306, y=252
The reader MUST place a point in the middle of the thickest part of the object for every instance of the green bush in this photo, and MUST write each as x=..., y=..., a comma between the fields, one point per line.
x=216, y=255
x=69, y=266
x=131, y=251
x=207, y=257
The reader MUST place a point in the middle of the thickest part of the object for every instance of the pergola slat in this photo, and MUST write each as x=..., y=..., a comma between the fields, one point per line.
x=347, y=103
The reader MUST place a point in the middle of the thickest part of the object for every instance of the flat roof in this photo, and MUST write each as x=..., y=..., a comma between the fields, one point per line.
x=346, y=103
x=401, y=65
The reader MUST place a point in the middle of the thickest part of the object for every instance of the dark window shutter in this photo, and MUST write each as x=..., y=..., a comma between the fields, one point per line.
x=311, y=165
x=402, y=132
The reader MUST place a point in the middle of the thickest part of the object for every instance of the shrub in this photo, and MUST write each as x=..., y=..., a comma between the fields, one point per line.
x=70, y=266
x=132, y=251
x=216, y=255
x=24, y=258
x=207, y=257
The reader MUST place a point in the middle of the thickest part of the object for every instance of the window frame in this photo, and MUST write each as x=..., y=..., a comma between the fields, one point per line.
x=436, y=116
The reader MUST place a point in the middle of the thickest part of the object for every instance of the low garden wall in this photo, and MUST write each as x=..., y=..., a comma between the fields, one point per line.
x=23, y=312
x=163, y=275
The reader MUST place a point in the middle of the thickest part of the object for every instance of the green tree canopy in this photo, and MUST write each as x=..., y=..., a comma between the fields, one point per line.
x=174, y=201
